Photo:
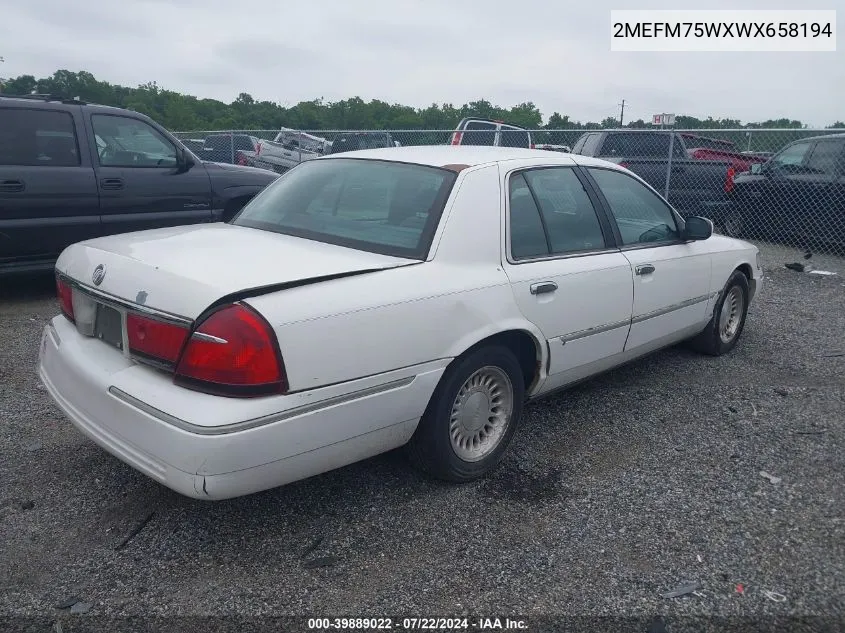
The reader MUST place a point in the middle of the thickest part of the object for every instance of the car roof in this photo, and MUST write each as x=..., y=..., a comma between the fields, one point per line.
x=52, y=103
x=821, y=136
x=486, y=120
x=470, y=155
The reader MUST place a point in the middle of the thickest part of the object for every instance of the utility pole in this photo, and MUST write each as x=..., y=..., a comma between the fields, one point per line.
x=622, y=114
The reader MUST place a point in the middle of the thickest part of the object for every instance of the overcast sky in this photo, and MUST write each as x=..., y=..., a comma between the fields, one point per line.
x=555, y=53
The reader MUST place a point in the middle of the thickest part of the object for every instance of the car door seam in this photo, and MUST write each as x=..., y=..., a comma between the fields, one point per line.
x=599, y=329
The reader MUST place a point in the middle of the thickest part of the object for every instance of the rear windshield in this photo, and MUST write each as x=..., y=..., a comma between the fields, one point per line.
x=708, y=143
x=360, y=141
x=371, y=205
x=513, y=137
x=479, y=133
x=224, y=141
x=636, y=144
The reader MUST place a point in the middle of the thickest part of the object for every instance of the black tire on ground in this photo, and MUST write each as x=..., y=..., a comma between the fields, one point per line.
x=431, y=448
x=711, y=340
x=732, y=224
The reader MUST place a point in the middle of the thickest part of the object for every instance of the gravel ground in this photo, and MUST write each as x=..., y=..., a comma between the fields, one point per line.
x=613, y=493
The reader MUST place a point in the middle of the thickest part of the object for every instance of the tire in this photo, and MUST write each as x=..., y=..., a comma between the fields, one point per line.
x=724, y=329
x=455, y=447
x=732, y=224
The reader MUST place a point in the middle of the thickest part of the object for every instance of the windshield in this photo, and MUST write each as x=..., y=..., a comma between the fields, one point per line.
x=372, y=205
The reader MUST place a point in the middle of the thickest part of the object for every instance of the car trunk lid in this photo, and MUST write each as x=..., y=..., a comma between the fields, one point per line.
x=183, y=271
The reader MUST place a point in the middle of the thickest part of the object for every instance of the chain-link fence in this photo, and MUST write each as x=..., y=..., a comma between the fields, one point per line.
x=774, y=185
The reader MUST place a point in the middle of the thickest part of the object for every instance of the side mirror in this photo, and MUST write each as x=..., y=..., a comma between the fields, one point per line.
x=397, y=144
x=697, y=228
x=184, y=160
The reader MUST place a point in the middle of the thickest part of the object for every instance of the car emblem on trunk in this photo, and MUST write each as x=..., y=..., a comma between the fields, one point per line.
x=99, y=275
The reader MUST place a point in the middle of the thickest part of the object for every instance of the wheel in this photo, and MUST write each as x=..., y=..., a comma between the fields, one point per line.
x=471, y=417
x=732, y=224
x=722, y=333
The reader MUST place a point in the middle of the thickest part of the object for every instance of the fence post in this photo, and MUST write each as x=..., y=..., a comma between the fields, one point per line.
x=669, y=164
x=232, y=146
x=748, y=134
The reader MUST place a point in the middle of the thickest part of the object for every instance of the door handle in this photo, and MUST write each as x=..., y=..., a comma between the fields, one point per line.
x=112, y=184
x=11, y=186
x=644, y=269
x=543, y=287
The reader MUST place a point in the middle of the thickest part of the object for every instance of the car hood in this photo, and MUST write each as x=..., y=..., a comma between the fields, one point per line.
x=239, y=174
x=721, y=243
x=184, y=270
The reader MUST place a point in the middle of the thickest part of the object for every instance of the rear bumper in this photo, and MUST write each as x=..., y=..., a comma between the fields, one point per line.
x=89, y=382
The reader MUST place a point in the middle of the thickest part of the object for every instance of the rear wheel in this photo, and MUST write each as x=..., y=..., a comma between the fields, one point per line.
x=722, y=333
x=471, y=417
x=732, y=224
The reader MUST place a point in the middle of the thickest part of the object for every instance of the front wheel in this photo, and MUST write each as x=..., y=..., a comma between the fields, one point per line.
x=471, y=417
x=722, y=333
x=732, y=225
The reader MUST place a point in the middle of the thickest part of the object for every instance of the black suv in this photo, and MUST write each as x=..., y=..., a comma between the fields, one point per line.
x=798, y=195
x=71, y=171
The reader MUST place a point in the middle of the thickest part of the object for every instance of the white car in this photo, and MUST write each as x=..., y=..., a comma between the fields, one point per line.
x=415, y=295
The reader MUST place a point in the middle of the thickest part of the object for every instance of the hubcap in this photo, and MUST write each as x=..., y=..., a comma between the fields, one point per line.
x=731, y=314
x=481, y=413
x=733, y=226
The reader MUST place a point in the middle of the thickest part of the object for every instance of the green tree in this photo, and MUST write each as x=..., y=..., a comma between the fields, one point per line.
x=185, y=113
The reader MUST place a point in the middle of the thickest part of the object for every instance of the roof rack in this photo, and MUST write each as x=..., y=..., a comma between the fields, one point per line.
x=43, y=97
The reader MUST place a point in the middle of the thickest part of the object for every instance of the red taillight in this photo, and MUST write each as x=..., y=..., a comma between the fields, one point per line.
x=240, y=158
x=623, y=164
x=532, y=146
x=65, y=295
x=258, y=149
x=729, y=181
x=233, y=353
x=456, y=138
x=155, y=339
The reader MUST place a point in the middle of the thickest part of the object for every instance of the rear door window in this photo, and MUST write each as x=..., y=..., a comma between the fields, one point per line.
x=527, y=234
x=36, y=137
x=827, y=158
x=479, y=133
x=570, y=219
x=587, y=144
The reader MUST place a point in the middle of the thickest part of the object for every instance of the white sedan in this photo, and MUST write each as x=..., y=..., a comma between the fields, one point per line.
x=364, y=301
